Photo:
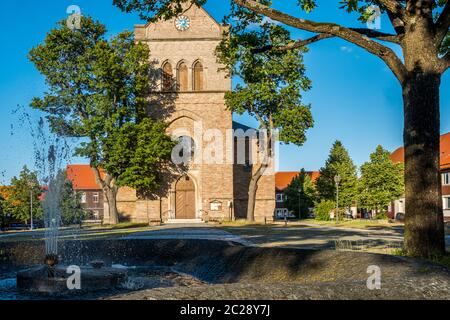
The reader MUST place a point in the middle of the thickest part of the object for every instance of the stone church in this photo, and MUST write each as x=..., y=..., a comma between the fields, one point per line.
x=190, y=97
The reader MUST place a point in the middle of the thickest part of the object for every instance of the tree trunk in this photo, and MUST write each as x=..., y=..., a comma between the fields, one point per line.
x=424, y=222
x=110, y=190
x=252, y=190
x=111, y=195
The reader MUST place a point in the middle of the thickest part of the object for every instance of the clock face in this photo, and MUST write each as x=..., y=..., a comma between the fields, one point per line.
x=182, y=23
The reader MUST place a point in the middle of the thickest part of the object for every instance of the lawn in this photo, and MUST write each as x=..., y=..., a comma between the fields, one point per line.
x=354, y=224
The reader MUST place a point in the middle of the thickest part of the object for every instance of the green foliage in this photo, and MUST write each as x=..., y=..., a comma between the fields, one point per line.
x=323, y=209
x=338, y=162
x=98, y=91
x=23, y=188
x=300, y=195
x=70, y=206
x=138, y=154
x=153, y=10
x=3, y=217
x=381, y=181
x=272, y=80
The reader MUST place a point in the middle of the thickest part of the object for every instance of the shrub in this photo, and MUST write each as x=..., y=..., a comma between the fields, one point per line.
x=323, y=209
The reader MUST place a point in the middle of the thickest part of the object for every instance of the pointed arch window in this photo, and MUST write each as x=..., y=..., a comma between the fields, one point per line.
x=167, y=77
x=198, y=76
x=182, y=77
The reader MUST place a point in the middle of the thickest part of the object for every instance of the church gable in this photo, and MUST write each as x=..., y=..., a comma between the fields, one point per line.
x=195, y=23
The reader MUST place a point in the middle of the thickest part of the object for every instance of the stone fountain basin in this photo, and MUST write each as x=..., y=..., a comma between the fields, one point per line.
x=36, y=280
x=223, y=262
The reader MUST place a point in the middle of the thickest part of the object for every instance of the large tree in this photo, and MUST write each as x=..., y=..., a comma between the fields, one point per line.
x=271, y=92
x=3, y=217
x=421, y=30
x=70, y=206
x=381, y=181
x=98, y=91
x=339, y=163
x=25, y=189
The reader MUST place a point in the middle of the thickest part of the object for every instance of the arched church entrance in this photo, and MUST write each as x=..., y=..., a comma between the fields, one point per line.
x=185, y=198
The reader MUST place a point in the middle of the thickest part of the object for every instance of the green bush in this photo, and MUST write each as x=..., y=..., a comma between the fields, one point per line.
x=322, y=210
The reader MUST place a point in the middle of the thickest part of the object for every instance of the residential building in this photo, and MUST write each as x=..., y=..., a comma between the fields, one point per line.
x=84, y=182
x=282, y=181
x=397, y=209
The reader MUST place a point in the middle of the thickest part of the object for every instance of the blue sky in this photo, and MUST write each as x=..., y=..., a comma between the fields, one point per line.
x=354, y=98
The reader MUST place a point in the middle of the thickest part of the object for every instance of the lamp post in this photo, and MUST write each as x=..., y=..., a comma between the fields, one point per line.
x=31, y=185
x=299, y=201
x=337, y=180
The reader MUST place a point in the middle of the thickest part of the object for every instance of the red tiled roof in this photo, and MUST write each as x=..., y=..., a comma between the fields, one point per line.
x=283, y=179
x=399, y=154
x=82, y=177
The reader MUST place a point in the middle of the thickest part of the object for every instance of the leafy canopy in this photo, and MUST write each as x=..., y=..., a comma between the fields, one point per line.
x=301, y=194
x=24, y=189
x=71, y=208
x=381, y=181
x=272, y=82
x=338, y=163
x=98, y=91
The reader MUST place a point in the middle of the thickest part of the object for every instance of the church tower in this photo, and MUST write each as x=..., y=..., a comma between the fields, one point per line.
x=189, y=95
x=191, y=90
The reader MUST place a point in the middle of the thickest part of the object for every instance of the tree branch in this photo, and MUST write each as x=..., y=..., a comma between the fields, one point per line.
x=378, y=35
x=293, y=45
x=443, y=23
x=381, y=51
x=393, y=6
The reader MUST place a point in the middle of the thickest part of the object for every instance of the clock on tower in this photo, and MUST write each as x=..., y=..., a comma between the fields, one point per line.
x=182, y=23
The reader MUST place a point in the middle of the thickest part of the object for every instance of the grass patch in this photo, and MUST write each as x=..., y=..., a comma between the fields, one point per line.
x=357, y=224
x=443, y=260
x=245, y=223
x=120, y=226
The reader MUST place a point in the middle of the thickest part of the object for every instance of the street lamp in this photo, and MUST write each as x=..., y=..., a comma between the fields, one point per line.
x=31, y=185
x=299, y=202
x=337, y=180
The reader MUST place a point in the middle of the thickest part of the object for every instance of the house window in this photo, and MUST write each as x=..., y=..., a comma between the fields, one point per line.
x=198, y=76
x=446, y=178
x=447, y=203
x=95, y=197
x=96, y=215
x=279, y=197
x=83, y=197
x=182, y=77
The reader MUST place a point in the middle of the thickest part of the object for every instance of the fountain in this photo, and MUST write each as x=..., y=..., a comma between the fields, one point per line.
x=52, y=277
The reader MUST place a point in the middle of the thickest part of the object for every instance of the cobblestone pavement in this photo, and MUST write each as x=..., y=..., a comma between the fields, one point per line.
x=319, y=237
x=426, y=288
x=183, y=232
